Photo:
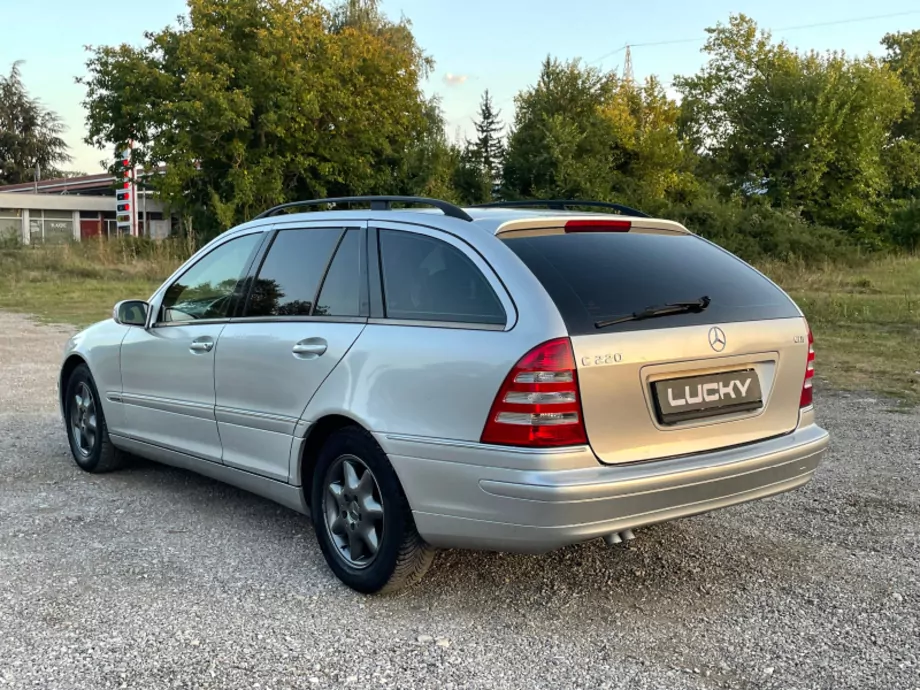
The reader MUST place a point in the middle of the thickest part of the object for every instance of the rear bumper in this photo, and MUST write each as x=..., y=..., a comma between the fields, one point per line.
x=470, y=496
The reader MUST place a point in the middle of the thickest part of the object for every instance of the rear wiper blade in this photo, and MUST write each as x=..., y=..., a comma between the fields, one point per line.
x=695, y=306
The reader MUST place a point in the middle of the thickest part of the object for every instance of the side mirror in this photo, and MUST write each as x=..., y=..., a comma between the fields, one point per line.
x=131, y=312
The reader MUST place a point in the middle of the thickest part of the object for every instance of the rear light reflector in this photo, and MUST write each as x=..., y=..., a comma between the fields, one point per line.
x=537, y=419
x=598, y=226
x=807, y=390
x=548, y=398
x=544, y=377
x=537, y=404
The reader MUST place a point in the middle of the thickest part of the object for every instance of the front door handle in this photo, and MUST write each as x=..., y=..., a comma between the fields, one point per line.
x=309, y=348
x=203, y=344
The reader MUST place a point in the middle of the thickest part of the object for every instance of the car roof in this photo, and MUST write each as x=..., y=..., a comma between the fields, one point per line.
x=489, y=221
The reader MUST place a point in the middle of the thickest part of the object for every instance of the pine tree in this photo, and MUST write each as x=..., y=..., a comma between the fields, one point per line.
x=489, y=145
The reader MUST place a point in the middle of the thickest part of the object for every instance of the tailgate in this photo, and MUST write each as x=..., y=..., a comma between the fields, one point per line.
x=667, y=391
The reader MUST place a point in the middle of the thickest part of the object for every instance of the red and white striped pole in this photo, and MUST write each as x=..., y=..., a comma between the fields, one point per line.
x=125, y=196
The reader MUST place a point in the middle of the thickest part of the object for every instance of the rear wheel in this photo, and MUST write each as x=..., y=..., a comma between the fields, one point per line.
x=361, y=516
x=86, y=429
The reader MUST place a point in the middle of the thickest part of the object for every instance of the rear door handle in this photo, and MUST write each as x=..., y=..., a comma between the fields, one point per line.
x=203, y=344
x=309, y=348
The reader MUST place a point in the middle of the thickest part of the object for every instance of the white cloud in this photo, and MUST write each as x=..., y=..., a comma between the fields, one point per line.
x=455, y=79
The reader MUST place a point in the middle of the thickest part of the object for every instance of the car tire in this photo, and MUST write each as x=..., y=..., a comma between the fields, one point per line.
x=84, y=421
x=344, y=505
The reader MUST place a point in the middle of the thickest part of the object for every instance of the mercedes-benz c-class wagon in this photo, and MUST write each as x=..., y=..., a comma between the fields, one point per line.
x=517, y=377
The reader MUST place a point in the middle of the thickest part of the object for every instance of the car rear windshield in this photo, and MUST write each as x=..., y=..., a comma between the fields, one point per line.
x=596, y=276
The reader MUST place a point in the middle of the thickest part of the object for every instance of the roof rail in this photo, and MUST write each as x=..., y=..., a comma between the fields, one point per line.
x=377, y=203
x=561, y=204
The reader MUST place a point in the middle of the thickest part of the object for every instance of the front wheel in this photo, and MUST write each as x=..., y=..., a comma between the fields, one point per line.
x=85, y=422
x=361, y=516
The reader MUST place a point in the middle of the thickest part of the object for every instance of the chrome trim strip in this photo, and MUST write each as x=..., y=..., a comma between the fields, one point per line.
x=426, y=440
x=182, y=407
x=255, y=420
x=192, y=322
x=298, y=319
x=439, y=324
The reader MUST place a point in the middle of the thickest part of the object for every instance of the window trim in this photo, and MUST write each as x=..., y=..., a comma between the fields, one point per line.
x=465, y=248
x=156, y=301
x=455, y=325
x=256, y=266
x=363, y=301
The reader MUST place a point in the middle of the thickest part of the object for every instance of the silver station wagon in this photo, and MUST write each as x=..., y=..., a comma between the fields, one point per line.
x=517, y=377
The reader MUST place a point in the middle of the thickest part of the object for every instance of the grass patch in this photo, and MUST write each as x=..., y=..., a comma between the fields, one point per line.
x=866, y=318
x=866, y=321
x=80, y=283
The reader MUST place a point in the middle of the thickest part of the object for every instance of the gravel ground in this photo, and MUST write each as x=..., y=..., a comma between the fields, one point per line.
x=156, y=578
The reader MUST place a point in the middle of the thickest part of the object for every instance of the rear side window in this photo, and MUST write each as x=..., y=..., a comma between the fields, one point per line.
x=341, y=291
x=596, y=276
x=287, y=282
x=429, y=280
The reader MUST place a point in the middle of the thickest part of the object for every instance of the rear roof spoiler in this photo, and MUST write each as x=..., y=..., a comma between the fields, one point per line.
x=563, y=204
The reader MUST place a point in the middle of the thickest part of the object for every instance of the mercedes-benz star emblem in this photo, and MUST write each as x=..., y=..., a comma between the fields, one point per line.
x=717, y=339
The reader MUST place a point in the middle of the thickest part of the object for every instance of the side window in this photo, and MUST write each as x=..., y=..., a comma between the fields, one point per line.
x=341, y=291
x=429, y=280
x=291, y=273
x=206, y=290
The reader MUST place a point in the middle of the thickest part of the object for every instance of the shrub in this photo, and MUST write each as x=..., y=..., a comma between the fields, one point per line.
x=757, y=232
x=903, y=228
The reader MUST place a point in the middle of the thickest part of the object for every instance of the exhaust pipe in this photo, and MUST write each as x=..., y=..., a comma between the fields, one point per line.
x=619, y=537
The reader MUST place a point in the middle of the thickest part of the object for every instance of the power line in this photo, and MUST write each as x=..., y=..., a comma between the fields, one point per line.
x=797, y=27
x=849, y=21
x=647, y=44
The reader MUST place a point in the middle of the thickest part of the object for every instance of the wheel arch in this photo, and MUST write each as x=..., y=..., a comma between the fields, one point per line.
x=67, y=368
x=317, y=435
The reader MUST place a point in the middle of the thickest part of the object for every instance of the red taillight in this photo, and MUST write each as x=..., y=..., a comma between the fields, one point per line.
x=538, y=403
x=807, y=391
x=598, y=226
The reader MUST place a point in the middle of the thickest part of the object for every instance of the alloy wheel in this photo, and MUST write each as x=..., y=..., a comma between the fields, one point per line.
x=353, y=511
x=83, y=421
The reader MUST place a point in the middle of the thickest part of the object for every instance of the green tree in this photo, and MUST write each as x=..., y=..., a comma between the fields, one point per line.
x=428, y=163
x=902, y=156
x=804, y=131
x=903, y=58
x=250, y=103
x=30, y=134
x=489, y=146
x=470, y=178
x=584, y=133
x=478, y=163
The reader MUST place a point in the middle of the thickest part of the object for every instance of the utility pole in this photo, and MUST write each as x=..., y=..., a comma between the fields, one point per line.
x=628, y=66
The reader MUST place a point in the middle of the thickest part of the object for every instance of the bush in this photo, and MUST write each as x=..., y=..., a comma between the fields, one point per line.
x=758, y=232
x=904, y=226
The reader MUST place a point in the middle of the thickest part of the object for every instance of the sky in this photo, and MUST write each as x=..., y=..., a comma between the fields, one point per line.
x=476, y=44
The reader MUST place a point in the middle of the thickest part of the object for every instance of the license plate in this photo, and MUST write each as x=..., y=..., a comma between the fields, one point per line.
x=697, y=397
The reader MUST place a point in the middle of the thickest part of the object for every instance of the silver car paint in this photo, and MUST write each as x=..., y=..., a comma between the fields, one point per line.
x=99, y=346
x=440, y=387
x=168, y=389
x=424, y=391
x=527, y=511
x=255, y=415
